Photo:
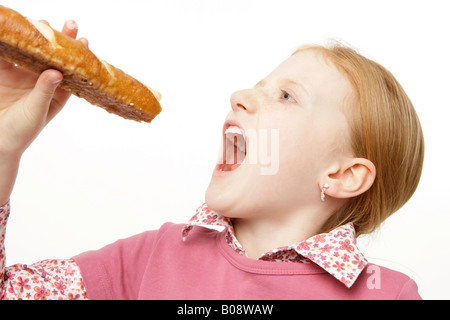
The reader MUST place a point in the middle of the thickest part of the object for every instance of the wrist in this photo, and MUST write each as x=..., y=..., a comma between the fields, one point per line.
x=4, y=205
x=9, y=166
x=11, y=151
x=9, y=158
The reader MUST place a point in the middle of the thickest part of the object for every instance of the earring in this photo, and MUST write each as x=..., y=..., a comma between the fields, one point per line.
x=322, y=194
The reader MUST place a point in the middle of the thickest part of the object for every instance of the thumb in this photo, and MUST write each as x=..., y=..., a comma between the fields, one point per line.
x=41, y=96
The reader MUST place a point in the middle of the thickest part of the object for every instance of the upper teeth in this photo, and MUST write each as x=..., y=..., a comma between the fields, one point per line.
x=233, y=129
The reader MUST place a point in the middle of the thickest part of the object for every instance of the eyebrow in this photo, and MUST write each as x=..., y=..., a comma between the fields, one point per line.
x=291, y=82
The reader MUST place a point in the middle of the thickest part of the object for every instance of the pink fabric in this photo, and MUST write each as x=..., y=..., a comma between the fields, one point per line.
x=160, y=265
x=336, y=252
x=54, y=279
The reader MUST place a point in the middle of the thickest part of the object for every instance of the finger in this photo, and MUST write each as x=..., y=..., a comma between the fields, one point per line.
x=70, y=28
x=41, y=96
x=59, y=100
x=6, y=65
x=85, y=42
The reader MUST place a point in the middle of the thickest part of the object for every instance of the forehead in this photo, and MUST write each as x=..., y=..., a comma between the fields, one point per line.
x=306, y=62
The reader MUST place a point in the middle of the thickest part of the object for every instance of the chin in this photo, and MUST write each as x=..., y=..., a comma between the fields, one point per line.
x=217, y=199
x=225, y=201
x=233, y=200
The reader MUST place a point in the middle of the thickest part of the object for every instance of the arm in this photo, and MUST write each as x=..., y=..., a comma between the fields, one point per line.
x=8, y=172
x=27, y=103
x=21, y=120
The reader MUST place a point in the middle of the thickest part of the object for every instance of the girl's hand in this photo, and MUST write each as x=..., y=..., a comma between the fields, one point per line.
x=28, y=102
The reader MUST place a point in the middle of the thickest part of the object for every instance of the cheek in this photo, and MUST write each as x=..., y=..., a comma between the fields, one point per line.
x=300, y=143
x=303, y=150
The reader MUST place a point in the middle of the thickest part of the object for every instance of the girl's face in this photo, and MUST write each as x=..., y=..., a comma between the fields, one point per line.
x=281, y=139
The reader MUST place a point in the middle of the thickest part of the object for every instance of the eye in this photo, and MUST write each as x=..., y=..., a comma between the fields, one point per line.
x=286, y=96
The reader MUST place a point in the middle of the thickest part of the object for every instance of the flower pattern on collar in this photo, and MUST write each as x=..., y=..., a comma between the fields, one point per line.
x=336, y=252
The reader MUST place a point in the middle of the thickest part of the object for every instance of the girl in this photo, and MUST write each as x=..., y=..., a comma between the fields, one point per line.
x=346, y=151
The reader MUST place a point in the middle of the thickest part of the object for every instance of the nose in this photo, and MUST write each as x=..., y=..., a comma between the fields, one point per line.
x=244, y=100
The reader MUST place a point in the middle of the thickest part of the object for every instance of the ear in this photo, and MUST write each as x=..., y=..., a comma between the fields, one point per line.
x=354, y=177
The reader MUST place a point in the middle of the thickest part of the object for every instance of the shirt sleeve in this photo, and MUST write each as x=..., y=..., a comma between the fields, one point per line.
x=410, y=291
x=117, y=271
x=44, y=280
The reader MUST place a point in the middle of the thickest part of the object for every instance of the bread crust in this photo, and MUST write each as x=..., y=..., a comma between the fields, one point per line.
x=85, y=75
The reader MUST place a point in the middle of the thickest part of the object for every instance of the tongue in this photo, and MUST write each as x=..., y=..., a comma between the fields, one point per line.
x=230, y=167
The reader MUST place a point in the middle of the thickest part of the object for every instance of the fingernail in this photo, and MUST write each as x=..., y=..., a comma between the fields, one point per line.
x=72, y=24
x=55, y=84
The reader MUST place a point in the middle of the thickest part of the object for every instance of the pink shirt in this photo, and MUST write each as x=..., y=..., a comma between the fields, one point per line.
x=190, y=262
x=336, y=252
x=160, y=265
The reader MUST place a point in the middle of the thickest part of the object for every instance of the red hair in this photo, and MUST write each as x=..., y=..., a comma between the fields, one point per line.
x=385, y=129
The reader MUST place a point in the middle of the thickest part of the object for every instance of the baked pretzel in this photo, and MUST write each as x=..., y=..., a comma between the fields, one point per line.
x=37, y=47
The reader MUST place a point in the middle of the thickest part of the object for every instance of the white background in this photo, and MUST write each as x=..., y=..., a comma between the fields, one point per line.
x=92, y=178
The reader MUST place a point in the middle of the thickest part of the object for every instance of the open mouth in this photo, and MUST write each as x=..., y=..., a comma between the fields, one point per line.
x=234, y=148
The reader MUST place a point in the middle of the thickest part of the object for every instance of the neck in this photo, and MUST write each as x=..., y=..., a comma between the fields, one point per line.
x=258, y=235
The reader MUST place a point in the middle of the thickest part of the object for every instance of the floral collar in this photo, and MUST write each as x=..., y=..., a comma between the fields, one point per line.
x=336, y=252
